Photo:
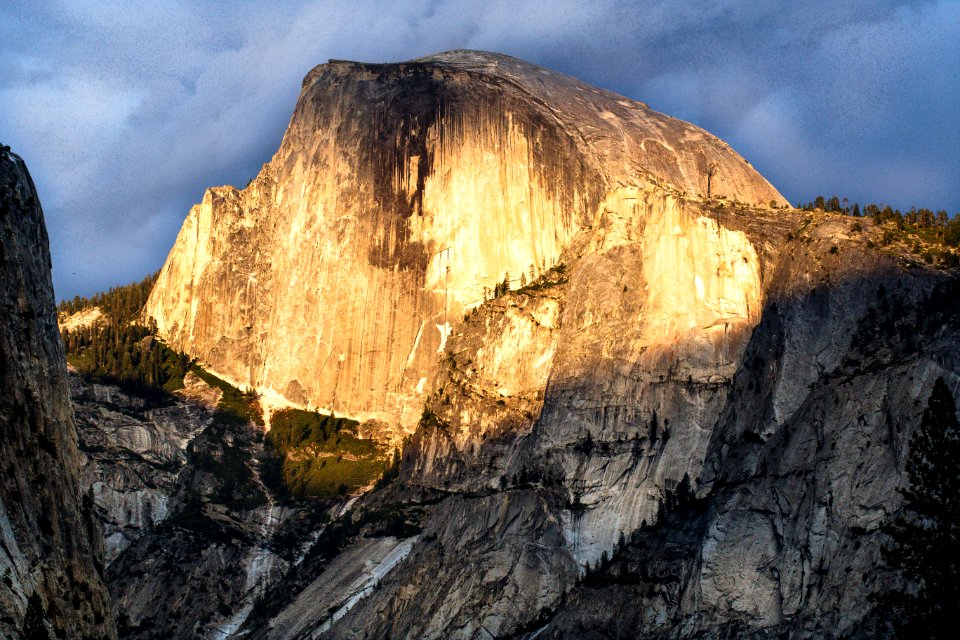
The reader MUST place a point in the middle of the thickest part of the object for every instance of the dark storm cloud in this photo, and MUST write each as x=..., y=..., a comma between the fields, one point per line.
x=126, y=112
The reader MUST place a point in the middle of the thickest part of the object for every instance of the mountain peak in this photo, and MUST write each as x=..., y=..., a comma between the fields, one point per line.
x=403, y=194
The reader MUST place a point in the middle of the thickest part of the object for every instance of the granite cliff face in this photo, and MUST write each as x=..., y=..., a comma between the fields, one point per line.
x=50, y=547
x=802, y=461
x=401, y=193
x=674, y=319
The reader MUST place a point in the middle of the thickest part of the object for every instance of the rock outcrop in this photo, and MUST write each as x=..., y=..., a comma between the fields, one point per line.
x=667, y=316
x=51, y=556
x=133, y=455
x=180, y=489
x=802, y=463
x=400, y=194
x=177, y=494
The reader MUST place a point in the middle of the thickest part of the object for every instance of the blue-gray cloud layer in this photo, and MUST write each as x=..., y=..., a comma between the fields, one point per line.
x=126, y=111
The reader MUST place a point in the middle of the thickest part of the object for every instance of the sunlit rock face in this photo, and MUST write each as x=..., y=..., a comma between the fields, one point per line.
x=349, y=276
x=402, y=192
x=677, y=320
x=618, y=372
x=655, y=322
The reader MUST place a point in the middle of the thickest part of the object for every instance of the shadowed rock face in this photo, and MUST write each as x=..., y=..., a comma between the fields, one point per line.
x=399, y=194
x=50, y=549
x=801, y=461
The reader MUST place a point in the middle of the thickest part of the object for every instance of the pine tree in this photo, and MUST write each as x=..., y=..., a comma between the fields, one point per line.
x=34, y=627
x=684, y=493
x=925, y=536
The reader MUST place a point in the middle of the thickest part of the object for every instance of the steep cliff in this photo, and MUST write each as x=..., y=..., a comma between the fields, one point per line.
x=50, y=548
x=400, y=193
x=803, y=461
x=794, y=432
x=673, y=319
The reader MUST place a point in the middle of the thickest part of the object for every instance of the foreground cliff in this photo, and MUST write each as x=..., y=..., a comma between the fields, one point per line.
x=665, y=316
x=51, y=557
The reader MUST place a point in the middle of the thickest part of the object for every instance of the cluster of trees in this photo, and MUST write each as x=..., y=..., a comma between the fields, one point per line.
x=498, y=289
x=924, y=548
x=119, y=349
x=681, y=497
x=538, y=279
x=943, y=228
x=121, y=304
x=129, y=356
x=294, y=428
x=312, y=455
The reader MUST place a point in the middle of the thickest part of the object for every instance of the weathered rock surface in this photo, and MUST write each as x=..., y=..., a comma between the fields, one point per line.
x=51, y=558
x=133, y=454
x=178, y=496
x=399, y=194
x=778, y=358
x=91, y=317
x=803, y=462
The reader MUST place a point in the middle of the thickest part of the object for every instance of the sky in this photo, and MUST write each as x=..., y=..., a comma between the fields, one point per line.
x=125, y=112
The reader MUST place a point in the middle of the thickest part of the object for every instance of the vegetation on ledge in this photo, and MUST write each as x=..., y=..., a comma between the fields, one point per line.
x=239, y=407
x=538, y=280
x=319, y=456
x=934, y=236
x=121, y=350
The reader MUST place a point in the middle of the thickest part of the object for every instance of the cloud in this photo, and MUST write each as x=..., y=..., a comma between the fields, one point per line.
x=126, y=112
